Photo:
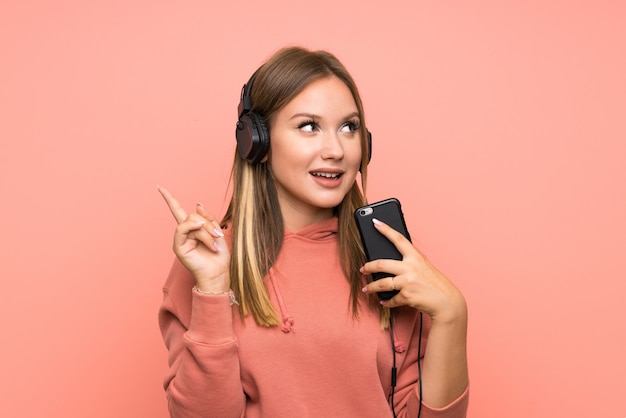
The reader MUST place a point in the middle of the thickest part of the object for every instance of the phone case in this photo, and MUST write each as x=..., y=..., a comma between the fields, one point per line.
x=375, y=244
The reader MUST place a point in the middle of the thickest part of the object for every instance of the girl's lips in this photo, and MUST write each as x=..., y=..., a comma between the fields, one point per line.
x=326, y=179
x=325, y=174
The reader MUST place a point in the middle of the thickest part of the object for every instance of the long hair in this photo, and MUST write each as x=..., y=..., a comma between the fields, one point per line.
x=257, y=227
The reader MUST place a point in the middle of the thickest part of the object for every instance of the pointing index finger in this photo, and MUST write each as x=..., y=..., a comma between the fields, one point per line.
x=180, y=214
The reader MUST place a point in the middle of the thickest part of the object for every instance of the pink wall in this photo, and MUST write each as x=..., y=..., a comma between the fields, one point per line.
x=500, y=126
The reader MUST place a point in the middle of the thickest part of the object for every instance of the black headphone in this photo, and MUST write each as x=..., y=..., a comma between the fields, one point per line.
x=253, y=138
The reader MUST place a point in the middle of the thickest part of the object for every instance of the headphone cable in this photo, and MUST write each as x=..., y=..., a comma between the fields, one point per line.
x=394, y=370
x=419, y=367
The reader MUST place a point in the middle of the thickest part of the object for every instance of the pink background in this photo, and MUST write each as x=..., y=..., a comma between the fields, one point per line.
x=499, y=125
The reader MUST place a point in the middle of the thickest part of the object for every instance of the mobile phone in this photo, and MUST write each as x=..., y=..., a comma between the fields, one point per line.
x=375, y=244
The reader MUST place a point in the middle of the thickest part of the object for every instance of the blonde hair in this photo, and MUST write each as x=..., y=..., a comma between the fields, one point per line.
x=257, y=227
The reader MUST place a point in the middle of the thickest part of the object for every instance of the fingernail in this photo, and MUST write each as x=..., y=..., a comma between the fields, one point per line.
x=200, y=204
x=362, y=269
x=218, y=232
x=377, y=222
x=364, y=289
x=217, y=247
x=200, y=223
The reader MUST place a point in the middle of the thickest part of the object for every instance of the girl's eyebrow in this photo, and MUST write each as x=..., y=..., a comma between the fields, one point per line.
x=306, y=115
x=317, y=117
x=353, y=114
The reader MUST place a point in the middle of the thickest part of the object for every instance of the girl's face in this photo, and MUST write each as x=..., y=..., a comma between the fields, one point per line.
x=315, y=151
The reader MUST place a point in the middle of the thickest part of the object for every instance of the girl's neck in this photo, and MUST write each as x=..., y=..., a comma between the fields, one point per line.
x=295, y=220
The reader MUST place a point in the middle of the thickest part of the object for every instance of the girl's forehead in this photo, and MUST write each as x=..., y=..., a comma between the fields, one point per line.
x=326, y=96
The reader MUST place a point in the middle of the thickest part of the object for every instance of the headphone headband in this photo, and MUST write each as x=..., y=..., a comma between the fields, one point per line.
x=245, y=101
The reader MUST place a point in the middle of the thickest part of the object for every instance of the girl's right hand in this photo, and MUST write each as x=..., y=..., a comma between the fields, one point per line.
x=200, y=246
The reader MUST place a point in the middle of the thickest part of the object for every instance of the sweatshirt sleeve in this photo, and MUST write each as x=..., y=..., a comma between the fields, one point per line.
x=203, y=378
x=407, y=401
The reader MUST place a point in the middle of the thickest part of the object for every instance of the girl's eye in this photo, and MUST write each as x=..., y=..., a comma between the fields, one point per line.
x=307, y=126
x=351, y=126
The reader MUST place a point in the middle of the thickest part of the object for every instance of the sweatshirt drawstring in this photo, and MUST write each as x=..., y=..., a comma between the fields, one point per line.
x=288, y=321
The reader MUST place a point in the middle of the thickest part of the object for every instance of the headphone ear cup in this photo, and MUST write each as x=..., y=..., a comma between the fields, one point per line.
x=253, y=139
x=369, y=149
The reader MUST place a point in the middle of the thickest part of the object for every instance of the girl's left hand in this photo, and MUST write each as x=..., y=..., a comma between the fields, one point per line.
x=419, y=283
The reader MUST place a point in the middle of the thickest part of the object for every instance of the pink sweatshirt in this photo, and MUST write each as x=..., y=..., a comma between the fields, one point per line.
x=320, y=363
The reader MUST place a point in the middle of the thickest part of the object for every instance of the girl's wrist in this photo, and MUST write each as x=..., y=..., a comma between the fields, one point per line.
x=455, y=314
x=216, y=284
